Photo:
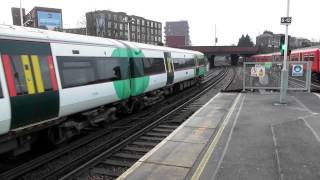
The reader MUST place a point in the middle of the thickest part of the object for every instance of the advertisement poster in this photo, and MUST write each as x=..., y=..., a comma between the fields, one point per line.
x=101, y=25
x=49, y=20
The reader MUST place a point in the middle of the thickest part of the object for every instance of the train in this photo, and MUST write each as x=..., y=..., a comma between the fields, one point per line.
x=59, y=84
x=303, y=54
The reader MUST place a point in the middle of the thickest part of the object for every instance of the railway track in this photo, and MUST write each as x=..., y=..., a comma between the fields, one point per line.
x=116, y=160
x=300, y=83
x=57, y=163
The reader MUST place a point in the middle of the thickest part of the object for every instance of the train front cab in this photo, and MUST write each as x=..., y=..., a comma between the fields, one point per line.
x=29, y=74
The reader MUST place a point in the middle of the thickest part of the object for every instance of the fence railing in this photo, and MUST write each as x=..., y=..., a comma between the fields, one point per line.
x=267, y=75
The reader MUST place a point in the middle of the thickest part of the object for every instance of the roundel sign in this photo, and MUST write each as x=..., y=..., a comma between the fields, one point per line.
x=297, y=70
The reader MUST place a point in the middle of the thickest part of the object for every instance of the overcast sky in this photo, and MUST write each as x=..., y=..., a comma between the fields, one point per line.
x=232, y=17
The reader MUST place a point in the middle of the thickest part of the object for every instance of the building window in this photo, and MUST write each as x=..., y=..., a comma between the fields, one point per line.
x=115, y=17
x=148, y=23
x=121, y=26
x=109, y=24
x=142, y=22
x=138, y=21
x=152, y=24
x=133, y=28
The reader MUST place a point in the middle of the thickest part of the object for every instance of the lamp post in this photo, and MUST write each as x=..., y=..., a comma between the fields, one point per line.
x=129, y=21
x=284, y=71
x=21, y=16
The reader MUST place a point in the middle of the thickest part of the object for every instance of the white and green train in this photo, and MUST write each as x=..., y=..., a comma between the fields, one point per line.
x=61, y=83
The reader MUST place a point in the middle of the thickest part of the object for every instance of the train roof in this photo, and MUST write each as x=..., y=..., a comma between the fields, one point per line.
x=161, y=48
x=306, y=49
x=34, y=34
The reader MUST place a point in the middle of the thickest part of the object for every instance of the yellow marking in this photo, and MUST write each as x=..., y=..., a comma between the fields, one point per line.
x=37, y=73
x=28, y=74
x=215, y=141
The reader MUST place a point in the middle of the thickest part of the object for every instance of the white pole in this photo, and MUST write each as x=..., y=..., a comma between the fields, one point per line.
x=284, y=71
x=286, y=39
x=21, y=16
x=215, y=35
x=128, y=30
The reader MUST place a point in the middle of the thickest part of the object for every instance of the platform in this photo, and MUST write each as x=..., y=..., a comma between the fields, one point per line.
x=240, y=136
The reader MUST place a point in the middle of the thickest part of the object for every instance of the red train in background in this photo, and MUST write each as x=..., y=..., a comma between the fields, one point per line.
x=304, y=54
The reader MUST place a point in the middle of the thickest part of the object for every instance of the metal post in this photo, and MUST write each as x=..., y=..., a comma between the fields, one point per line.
x=128, y=30
x=309, y=76
x=215, y=35
x=21, y=16
x=244, y=77
x=284, y=71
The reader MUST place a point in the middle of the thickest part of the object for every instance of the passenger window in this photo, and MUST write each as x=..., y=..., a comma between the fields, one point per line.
x=201, y=61
x=18, y=75
x=45, y=73
x=153, y=66
x=180, y=64
x=136, y=67
x=81, y=71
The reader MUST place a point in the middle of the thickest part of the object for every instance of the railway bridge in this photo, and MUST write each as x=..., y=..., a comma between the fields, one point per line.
x=233, y=51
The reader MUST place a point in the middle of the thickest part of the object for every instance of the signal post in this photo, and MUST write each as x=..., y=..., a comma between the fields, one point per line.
x=284, y=72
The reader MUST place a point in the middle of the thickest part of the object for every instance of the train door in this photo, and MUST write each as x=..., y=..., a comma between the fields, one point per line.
x=31, y=82
x=169, y=68
x=5, y=108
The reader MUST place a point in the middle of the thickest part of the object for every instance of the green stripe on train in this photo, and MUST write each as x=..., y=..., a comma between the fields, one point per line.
x=134, y=86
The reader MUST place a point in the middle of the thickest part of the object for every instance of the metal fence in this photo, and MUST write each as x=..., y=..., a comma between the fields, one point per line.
x=267, y=75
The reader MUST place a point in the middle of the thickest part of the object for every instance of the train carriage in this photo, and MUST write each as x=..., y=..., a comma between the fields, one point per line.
x=47, y=77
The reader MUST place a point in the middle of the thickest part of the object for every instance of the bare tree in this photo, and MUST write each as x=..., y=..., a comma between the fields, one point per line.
x=82, y=22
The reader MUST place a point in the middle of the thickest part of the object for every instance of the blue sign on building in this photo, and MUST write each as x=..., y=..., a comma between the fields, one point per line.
x=49, y=20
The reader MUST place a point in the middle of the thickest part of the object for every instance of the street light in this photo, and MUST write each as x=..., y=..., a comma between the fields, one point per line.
x=129, y=20
x=284, y=71
x=21, y=16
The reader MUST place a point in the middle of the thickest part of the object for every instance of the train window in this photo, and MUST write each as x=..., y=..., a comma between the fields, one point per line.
x=80, y=71
x=153, y=66
x=201, y=61
x=18, y=75
x=75, y=73
x=180, y=64
x=136, y=65
x=45, y=73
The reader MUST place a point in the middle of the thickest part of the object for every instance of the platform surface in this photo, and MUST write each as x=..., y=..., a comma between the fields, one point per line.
x=240, y=136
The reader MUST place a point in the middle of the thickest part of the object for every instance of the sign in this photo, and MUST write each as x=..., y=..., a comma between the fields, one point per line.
x=286, y=20
x=253, y=72
x=49, y=20
x=268, y=65
x=261, y=71
x=297, y=70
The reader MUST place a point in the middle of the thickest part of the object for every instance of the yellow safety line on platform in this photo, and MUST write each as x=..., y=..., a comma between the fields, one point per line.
x=215, y=141
x=28, y=74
